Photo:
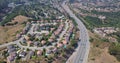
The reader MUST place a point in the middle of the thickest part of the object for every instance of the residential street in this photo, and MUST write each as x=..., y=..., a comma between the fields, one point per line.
x=17, y=42
x=82, y=51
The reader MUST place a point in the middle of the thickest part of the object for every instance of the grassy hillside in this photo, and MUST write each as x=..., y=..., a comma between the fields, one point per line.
x=112, y=19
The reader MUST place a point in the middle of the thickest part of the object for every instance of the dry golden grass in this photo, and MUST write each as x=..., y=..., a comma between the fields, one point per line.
x=20, y=19
x=8, y=33
x=100, y=53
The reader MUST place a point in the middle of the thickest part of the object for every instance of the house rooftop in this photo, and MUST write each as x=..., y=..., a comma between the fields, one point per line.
x=10, y=58
x=31, y=53
x=39, y=52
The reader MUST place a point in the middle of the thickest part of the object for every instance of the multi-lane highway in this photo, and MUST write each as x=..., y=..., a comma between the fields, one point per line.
x=81, y=53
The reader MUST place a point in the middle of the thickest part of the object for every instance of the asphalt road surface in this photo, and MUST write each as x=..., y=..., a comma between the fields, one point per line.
x=81, y=53
x=17, y=42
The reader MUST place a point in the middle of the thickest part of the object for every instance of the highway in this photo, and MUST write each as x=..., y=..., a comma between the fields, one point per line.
x=81, y=53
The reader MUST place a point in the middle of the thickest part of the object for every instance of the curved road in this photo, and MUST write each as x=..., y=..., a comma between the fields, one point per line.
x=81, y=53
x=17, y=42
